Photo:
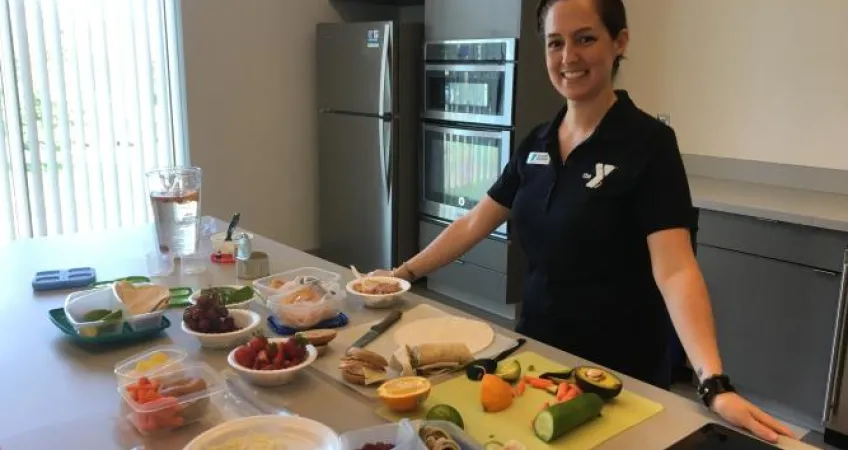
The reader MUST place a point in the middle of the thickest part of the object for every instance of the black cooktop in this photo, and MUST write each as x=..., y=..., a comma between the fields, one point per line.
x=713, y=436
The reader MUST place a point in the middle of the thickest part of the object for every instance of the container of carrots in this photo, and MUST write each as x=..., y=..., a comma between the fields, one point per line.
x=171, y=398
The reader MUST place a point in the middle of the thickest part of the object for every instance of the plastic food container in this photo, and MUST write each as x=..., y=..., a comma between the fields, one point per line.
x=78, y=304
x=139, y=322
x=404, y=433
x=156, y=359
x=192, y=388
x=221, y=244
x=303, y=314
x=273, y=284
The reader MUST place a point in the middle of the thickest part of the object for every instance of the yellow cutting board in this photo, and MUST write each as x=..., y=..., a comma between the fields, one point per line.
x=619, y=414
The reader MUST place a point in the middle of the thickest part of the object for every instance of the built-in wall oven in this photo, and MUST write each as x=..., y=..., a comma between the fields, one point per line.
x=467, y=127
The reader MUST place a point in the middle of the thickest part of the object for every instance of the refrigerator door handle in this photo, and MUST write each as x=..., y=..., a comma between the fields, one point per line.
x=835, y=375
x=385, y=83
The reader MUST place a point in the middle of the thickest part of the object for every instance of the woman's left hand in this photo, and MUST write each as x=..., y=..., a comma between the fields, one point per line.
x=740, y=412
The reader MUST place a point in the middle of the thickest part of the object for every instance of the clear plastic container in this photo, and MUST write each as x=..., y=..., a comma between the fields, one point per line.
x=149, y=362
x=301, y=314
x=78, y=304
x=193, y=386
x=395, y=433
x=273, y=284
x=140, y=322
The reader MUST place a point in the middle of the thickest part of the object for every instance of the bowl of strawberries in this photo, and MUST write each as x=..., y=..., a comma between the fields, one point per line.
x=272, y=362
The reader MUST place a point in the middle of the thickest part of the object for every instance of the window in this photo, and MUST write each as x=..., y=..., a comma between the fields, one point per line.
x=91, y=97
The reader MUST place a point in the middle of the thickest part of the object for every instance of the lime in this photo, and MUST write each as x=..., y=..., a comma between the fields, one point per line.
x=446, y=413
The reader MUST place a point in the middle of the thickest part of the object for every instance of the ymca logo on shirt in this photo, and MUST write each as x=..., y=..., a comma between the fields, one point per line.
x=601, y=171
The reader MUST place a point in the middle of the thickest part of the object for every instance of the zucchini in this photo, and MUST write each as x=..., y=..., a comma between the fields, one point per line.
x=561, y=418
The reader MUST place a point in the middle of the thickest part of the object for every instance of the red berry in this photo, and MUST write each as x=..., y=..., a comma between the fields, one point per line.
x=245, y=356
x=258, y=343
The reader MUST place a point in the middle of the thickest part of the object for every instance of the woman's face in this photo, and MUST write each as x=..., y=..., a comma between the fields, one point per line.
x=579, y=51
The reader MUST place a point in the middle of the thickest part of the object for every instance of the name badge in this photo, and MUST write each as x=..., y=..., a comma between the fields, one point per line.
x=540, y=158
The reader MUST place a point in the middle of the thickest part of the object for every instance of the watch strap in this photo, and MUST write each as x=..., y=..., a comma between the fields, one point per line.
x=714, y=386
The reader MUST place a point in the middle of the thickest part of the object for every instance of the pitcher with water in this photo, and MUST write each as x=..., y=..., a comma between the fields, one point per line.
x=175, y=196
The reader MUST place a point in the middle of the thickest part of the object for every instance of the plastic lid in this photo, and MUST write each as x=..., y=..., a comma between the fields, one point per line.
x=129, y=366
x=213, y=382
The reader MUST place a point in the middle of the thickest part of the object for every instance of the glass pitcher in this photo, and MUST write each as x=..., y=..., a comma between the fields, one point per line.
x=175, y=196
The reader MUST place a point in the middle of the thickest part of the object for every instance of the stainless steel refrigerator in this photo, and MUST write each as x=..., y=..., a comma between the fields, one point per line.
x=368, y=109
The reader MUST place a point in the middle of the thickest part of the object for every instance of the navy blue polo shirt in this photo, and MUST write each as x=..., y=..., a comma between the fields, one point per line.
x=583, y=225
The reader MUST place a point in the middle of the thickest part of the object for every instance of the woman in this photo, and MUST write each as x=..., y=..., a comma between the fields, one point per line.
x=600, y=204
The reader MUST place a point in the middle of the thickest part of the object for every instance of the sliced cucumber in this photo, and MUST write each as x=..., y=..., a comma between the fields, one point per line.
x=561, y=418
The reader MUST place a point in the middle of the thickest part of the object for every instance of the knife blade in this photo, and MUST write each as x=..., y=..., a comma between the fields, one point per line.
x=377, y=329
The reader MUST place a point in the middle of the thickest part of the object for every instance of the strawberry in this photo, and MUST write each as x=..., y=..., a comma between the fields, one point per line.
x=278, y=358
x=245, y=356
x=258, y=342
x=281, y=350
x=262, y=358
x=271, y=350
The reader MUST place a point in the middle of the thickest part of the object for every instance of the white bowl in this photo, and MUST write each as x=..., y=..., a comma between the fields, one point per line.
x=272, y=377
x=296, y=433
x=247, y=321
x=241, y=305
x=379, y=300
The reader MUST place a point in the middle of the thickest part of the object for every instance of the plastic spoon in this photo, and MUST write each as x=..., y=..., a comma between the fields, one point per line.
x=355, y=272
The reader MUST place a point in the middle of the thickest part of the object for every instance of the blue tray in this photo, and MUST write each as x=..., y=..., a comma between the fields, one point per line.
x=54, y=280
x=58, y=317
x=336, y=322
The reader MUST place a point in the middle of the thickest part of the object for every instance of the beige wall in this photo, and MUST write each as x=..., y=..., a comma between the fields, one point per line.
x=763, y=80
x=251, y=109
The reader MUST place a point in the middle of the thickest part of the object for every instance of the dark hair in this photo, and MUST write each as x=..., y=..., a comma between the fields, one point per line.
x=612, y=13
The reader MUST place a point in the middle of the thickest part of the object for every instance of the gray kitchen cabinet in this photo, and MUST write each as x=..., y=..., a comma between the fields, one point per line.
x=775, y=326
x=477, y=278
x=472, y=19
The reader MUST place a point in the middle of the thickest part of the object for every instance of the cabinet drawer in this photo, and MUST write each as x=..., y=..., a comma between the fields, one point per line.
x=473, y=285
x=775, y=324
x=490, y=253
x=799, y=244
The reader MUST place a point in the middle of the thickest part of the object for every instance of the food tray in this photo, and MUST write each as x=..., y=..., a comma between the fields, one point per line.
x=264, y=289
x=58, y=317
x=128, y=370
x=183, y=407
x=336, y=322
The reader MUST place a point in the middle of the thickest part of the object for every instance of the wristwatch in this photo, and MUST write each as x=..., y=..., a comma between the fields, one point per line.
x=713, y=386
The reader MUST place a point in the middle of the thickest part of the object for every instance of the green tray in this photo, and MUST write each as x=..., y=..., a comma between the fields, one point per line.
x=58, y=317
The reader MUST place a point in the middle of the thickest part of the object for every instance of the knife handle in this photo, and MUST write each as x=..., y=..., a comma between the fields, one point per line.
x=390, y=320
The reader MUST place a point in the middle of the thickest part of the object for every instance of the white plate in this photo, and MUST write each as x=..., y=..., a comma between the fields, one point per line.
x=297, y=433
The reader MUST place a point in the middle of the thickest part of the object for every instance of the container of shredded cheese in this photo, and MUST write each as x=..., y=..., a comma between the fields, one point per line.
x=267, y=433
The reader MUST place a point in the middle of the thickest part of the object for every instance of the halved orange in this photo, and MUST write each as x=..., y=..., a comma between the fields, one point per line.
x=404, y=394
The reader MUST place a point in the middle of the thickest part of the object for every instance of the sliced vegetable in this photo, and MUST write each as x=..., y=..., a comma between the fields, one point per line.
x=538, y=383
x=555, y=421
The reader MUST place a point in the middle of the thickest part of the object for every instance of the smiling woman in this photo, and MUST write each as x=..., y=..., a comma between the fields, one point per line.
x=599, y=201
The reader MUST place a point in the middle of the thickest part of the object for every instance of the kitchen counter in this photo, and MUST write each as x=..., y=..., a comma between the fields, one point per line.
x=792, y=205
x=57, y=394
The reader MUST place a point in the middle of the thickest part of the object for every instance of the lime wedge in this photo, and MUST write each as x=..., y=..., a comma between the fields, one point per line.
x=446, y=413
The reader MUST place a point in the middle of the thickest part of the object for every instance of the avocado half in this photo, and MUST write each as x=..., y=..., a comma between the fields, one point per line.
x=597, y=380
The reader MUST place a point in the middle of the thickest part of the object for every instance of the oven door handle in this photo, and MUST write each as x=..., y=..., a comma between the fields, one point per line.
x=837, y=355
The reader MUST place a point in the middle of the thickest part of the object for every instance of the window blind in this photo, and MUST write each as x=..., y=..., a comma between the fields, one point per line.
x=90, y=99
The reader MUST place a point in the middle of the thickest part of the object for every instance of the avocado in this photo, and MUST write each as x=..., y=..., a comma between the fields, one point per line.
x=510, y=371
x=597, y=380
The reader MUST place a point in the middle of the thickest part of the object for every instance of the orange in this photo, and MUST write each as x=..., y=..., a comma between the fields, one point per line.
x=495, y=393
x=404, y=394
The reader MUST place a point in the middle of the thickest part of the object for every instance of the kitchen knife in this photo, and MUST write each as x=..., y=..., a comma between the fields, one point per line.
x=377, y=329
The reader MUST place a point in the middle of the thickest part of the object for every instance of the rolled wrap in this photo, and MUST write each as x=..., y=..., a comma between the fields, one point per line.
x=450, y=353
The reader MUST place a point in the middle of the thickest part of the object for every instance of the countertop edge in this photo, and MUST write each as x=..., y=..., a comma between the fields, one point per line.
x=791, y=205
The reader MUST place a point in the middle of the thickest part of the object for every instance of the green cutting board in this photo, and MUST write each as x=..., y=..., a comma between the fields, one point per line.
x=619, y=414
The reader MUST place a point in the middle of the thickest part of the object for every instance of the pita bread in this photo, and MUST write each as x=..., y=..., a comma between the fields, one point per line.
x=142, y=299
x=476, y=335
